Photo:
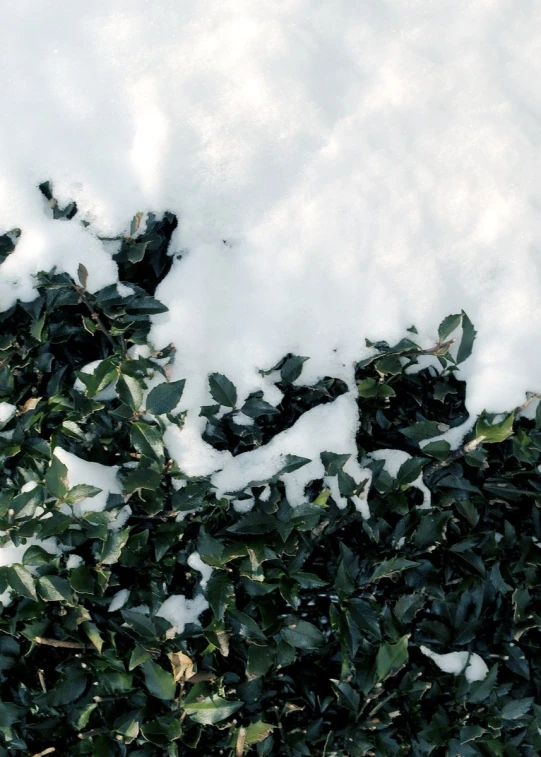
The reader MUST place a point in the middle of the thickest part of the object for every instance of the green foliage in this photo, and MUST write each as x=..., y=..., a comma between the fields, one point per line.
x=311, y=641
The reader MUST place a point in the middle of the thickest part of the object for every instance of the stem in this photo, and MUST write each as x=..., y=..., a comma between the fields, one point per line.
x=56, y=643
x=90, y=734
x=473, y=444
x=49, y=750
x=326, y=743
x=95, y=317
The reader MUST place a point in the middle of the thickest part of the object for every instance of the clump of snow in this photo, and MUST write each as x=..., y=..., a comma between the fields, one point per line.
x=265, y=494
x=95, y=474
x=12, y=555
x=107, y=393
x=243, y=420
x=243, y=505
x=332, y=426
x=195, y=562
x=394, y=458
x=74, y=561
x=119, y=600
x=453, y=435
x=180, y=611
x=28, y=486
x=123, y=290
x=472, y=665
x=7, y=411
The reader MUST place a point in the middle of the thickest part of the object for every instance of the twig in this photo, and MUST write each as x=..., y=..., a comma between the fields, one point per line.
x=326, y=743
x=95, y=317
x=49, y=750
x=42, y=681
x=90, y=734
x=56, y=643
x=241, y=740
x=531, y=397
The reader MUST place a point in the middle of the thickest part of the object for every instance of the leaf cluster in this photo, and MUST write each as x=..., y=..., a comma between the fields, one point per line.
x=311, y=641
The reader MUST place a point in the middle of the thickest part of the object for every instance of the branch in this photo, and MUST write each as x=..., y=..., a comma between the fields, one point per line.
x=95, y=317
x=56, y=643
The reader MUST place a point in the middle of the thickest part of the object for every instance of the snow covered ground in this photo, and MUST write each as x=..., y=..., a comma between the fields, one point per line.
x=371, y=165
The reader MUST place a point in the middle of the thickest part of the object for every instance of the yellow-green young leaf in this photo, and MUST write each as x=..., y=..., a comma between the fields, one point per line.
x=54, y=589
x=494, y=432
x=367, y=388
x=211, y=710
x=83, y=715
x=322, y=498
x=80, y=492
x=138, y=656
x=22, y=581
x=158, y=681
x=93, y=634
x=391, y=657
x=258, y=731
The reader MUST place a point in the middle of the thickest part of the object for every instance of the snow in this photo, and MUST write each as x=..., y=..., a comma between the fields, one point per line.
x=12, y=555
x=108, y=393
x=180, y=611
x=243, y=505
x=119, y=600
x=74, y=561
x=95, y=474
x=472, y=665
x=7, y=412
x=369, y=165
x=329, y=427
x=394, y=458
x=195, y=562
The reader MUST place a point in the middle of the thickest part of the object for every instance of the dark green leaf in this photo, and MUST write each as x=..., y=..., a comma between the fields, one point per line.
x=292, y=368
x=165, y=397
x=303, y=635
x=222, y=390
x=158, y=681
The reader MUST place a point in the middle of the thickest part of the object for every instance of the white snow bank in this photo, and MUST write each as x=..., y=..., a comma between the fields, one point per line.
x=179, y=611
x=370, y=165
x=455, y=662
